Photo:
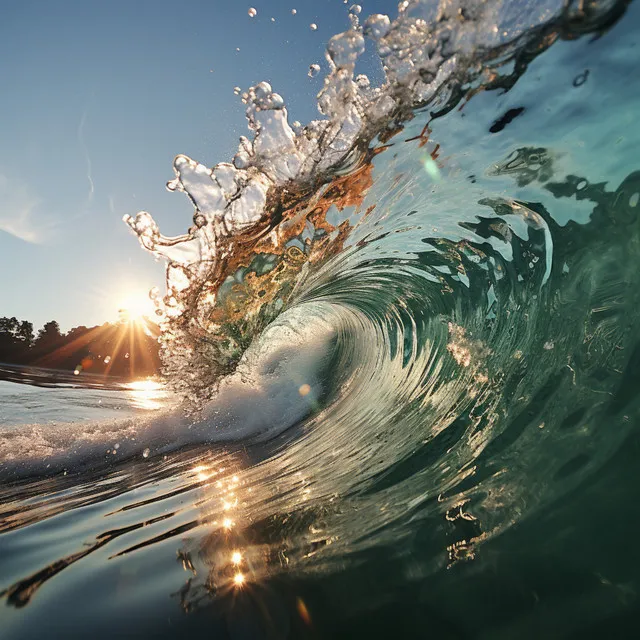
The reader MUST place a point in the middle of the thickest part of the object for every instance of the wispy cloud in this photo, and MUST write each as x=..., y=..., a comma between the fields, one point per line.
x=18, y=211
x=83, y=120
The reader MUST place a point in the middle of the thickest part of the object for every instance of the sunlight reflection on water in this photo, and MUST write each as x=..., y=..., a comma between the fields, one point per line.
x=147, y=394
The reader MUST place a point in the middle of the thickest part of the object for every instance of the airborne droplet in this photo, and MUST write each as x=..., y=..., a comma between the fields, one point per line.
x=363, y=81
x=313, y=70
x=252, y=12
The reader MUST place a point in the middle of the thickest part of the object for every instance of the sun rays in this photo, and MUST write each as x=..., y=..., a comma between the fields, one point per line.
x=127, y=348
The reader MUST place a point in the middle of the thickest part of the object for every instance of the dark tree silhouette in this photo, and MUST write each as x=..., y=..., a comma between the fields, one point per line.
x=49, y=334
x=127, y=349
x=25, y=333
x=15, y=338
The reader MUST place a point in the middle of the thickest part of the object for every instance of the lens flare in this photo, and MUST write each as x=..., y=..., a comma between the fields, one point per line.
x=238, y=579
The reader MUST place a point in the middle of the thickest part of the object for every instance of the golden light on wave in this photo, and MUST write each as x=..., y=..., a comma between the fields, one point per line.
x=303, y=611
x=236, y=557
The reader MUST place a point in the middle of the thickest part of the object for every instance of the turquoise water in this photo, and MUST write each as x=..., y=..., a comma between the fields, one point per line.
x=411, y=397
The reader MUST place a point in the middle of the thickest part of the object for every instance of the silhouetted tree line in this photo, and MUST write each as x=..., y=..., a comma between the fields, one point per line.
x=126, y=349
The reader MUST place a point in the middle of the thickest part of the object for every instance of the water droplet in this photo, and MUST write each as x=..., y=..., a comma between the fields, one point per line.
x=355, y=8
x=377, y=26
x=293, y=12
x=345, y=48
x=363, y=81
x=252, y=12
x=633, y=200
x=145, y=453
x=273, y=19
x=237, y=90
x=313, y=26
x=313, y=70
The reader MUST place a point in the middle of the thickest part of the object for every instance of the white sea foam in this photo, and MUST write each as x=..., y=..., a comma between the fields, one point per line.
x=276, y=385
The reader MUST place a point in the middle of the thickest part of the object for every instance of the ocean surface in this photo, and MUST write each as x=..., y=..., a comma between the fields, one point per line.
x=401, y=351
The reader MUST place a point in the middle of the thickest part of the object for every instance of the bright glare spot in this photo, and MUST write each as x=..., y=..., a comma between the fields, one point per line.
x=238, y=579
x=236, y=557
x=304, y=389
x=145, y=385
x=431, y=168
x=227, y=523
x=133, y=306
x=146, y=394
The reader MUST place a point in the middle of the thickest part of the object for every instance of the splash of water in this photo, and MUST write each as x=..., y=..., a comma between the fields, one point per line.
x=250, y=214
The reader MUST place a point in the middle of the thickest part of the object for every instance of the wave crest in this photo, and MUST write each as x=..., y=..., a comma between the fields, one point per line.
x=260, y=221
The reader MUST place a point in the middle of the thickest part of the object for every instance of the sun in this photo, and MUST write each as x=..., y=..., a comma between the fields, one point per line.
x=135, y=306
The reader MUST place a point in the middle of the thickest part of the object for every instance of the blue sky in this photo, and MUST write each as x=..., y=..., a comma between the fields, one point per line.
x=96, y=99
